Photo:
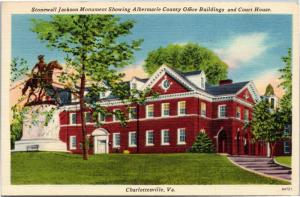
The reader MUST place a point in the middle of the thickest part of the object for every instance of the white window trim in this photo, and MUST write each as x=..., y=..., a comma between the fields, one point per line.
x=70, y=118
x=203, y=115
x=178, y=136
x=74, y=98
x=148, y=110
x=162, y=110
x=237, y=111
x=219, y=111
x=85, y=113
x=99, y=117
x=70, y=142
x=129, y=114
x=284, y=146
x=114, y=116
x=114, y=140
x=178, y=108
x=129, y=139
x=246, y=110
x=162, y=137
x=147, y=136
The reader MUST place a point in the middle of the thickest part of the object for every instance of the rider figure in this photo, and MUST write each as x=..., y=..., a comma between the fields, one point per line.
x=40, y=66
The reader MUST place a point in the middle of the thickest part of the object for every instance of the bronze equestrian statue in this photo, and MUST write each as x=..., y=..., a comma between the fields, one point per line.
x=42, y=80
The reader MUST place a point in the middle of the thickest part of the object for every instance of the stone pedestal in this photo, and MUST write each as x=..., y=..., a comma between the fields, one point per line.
x=37, y=135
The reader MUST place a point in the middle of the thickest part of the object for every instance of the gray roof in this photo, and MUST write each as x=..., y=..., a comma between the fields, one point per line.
x=226, y=88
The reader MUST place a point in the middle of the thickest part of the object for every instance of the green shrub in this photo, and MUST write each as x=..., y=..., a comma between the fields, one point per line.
x=202, y=144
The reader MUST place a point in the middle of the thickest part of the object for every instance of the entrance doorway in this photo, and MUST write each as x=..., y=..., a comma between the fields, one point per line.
x=238, y=143
x=100, y=141
x=222, y=142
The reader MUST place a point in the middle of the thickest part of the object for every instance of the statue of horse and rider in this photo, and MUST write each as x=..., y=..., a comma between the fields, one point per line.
x=40, y=83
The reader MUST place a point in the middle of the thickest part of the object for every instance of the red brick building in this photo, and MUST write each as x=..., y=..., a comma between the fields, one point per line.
x=170, y=123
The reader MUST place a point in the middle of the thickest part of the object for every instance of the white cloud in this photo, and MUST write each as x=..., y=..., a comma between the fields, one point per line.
x=135, y=70
x=268, y=77
x=243, y=48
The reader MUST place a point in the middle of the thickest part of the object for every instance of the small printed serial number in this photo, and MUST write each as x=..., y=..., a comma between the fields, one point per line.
x=287, y=189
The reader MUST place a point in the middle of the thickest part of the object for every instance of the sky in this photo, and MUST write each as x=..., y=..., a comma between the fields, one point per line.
x=251, y=45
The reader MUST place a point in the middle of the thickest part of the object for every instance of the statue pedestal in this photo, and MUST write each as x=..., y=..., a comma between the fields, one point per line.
x=37, y=135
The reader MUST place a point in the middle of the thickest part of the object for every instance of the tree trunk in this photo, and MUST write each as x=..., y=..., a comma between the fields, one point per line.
x=272, y=148
x=82, y=109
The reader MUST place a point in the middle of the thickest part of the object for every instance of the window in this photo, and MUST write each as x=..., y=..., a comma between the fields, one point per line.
x=202, y=82
x=165, y=109
x=222, y=111
x=102, y=95
x=165, y=138
x=149, y=111
x=88, y=117
x=203, y=109
x=238, y=112
x=132, y=139
x=272, y=103
x=286, y=147
x=149, y=138
x=166, y=84
x=73, y=118
x=74, y=98
x=116, y=140
x=181, y=108
x=73, y=143
x=181, y=136
x=246, y=114
x=132, y=113
x=115, y=117
x=101, y=117
x=133, y=86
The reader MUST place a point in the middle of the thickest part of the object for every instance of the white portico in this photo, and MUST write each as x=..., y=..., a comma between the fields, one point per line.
x=100, y=141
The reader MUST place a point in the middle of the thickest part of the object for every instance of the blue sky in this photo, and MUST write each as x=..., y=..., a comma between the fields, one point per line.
x=252, y=45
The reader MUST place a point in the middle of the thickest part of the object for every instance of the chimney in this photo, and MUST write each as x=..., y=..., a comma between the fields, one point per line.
x=225, y=81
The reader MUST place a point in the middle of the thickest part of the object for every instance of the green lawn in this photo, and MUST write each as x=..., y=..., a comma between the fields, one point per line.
x=285, y=160
x=187, y=168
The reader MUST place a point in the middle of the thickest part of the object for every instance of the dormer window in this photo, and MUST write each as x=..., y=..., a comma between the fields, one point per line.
x=202, y=82
x=74, y=98
x=133, y=85
x=102, y=95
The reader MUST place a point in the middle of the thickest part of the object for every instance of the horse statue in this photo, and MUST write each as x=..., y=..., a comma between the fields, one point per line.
x=42, y=81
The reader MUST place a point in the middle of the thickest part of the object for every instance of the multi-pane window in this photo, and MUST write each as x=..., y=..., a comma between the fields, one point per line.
x=116, y=140
x=222, y=111
x=150, y=111
x=101, y=117
x=246, y=114
x=73, y=118
x=88, y=117
x=238, y=112
x=132, y=113
x=165, y=109
x=203, y=109
x=181, y=136
x=165, y=137
x=149, y=138
x=181, y=108
x=132, y=139
x=286, y=147
x=73, y=143
x=115, y=116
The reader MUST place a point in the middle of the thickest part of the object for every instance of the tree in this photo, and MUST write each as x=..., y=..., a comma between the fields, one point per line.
x=269, y=90
x=93, y=51
x=188, y=57
x=267, y=124
x=202, y=144
x=286, y=84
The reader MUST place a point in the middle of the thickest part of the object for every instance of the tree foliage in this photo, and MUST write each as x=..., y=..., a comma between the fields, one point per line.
x=18, y=68
x=202, y=144
x=286, y=84
x=94, y=51
x=269, y=90
x=188, y=57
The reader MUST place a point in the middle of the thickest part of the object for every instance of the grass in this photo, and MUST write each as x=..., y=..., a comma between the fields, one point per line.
x=186, y=168
x=284, y=160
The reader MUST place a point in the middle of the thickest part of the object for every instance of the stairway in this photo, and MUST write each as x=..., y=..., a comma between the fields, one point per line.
x=263, y=165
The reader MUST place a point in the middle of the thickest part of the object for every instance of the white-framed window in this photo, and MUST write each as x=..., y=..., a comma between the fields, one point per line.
x=116, y=140
x=73, y=142
x=246, y=114
x=101, y=117
x=132, y=139
x=166, y=84
x=73, y=118
x=181, y=108
x=203, y=109
x=181, y=136
x=133, y=86
x=165, y=109
x=222, y=111
x=88, y=117
x=202, y=82
x=149, y=138
x=286, y=147
x=102, y=95
x=150, y=111
x=238, y=112
x=74, y=98
x=115, y=118
x=132, y=113
x=165, y=137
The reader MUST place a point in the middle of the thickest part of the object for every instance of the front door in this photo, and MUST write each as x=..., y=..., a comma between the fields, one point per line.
x=101, y=146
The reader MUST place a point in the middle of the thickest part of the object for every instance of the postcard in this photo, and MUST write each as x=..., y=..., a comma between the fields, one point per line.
x=150, y=98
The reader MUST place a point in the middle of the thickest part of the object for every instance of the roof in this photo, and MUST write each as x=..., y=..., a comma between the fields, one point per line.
x=232, y=88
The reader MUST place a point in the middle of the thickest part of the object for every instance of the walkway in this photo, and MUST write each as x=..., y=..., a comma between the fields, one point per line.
x=262, y=165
